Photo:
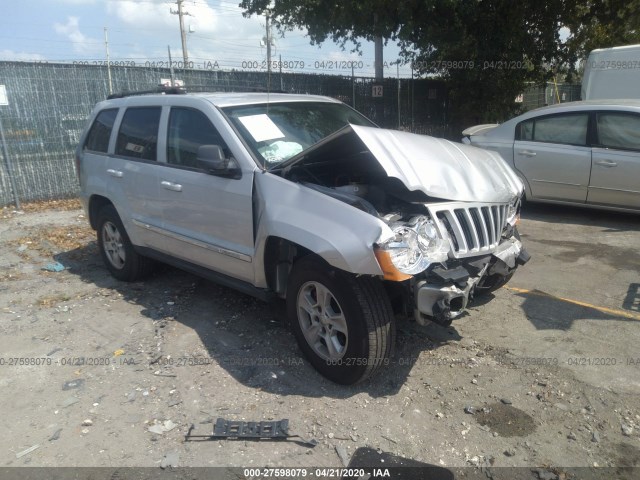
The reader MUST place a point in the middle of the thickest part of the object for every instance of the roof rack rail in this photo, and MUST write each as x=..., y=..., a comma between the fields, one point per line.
x=161, y=89
x=233, y=87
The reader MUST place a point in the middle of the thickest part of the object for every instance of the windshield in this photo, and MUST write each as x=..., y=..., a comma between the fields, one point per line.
x=278, y=131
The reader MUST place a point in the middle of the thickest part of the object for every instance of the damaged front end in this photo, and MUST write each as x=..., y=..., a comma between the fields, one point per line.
x=451, y=212
x=467, y=249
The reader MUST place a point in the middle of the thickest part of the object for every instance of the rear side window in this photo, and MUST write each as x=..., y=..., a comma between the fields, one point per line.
x=100, y=132
x=526, y=130
x=188, y=130
x=566, y=129
x=138, y=135
x=619, y=130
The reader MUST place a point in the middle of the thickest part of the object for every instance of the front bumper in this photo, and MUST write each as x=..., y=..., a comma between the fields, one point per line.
x=445, y=292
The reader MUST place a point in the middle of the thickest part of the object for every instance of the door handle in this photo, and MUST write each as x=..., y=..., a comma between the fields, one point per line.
x=527, y=153
x=115, y=173
x=606, y=163
x=176, y=187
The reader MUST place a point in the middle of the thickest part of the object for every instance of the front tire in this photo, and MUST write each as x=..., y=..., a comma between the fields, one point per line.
x=117, y=251
x=344, y=324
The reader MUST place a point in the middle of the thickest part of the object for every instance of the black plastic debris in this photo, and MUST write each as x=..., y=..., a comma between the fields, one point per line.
x=235, y=430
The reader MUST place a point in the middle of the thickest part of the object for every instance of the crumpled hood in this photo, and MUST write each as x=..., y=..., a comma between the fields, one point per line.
x=440, y=168
x=437, y=167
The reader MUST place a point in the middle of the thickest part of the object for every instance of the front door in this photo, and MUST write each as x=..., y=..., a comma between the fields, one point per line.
x=552, y=154
x=208, y=220
x=615, y=174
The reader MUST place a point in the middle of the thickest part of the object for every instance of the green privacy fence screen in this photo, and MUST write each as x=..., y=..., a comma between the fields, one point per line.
x=48, y=105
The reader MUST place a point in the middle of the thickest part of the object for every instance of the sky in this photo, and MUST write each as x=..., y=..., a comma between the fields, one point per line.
x=139, y=32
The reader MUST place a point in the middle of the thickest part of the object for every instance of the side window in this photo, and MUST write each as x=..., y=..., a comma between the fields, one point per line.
x=525, y=130
x=138, y=135
x=619, y=130
x=188, y=130
x=100, y=132
x=568, y=129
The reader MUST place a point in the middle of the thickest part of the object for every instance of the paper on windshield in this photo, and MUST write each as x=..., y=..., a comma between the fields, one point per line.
x=261, y=127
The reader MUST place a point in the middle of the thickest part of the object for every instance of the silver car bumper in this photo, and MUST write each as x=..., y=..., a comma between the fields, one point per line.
x=444, y=302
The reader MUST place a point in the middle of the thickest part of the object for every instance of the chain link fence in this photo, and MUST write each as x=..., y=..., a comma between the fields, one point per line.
x=49, y=105
x=537, y=96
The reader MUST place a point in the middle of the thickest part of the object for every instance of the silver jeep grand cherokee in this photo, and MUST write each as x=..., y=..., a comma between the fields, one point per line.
x=301, y=197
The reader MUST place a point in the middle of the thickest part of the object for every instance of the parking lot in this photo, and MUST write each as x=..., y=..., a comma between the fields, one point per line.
x=545, y=373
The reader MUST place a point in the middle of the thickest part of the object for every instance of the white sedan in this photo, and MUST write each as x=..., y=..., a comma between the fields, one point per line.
x=584, y=153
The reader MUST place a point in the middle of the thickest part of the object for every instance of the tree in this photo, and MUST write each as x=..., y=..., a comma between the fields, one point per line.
x=339, y=20
x=602, y=24
x=487, y=50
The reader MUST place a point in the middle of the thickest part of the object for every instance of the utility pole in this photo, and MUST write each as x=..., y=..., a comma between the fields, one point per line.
x=173, y=79
x=4, y=100
x=268, y=52
x=183, y=34
x=106, y=46
x=378, y=59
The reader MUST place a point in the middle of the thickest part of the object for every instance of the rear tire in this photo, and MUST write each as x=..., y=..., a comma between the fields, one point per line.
x=117, y=251
x=344, y=324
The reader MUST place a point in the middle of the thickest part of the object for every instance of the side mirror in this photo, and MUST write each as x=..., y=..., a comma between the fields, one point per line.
x=212, y=160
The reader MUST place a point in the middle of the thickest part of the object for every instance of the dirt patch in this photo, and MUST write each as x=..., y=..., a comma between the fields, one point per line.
x=49, y=301
x=51, y=240
x=178, y=348
x=506, y=420
x=628, y=455
x=11, y=276
x=66, y=204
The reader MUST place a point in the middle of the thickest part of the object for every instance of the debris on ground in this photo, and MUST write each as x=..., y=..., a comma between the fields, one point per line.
x=342, y=454
x=171, y=459
x=162, y=427
x=54, y=267
x=27, y=451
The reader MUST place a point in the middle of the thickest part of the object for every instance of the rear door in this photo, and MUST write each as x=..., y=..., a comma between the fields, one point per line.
x=615, y=174
x=552, y=154
x=133, y=172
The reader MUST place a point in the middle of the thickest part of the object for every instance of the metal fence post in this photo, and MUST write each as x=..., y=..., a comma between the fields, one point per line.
x=12, y=180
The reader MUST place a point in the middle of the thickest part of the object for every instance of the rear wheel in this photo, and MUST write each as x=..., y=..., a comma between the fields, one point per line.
x=116, y=249
x=344, y=324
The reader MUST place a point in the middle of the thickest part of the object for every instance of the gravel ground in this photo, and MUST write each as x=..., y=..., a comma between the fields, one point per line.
x=96, y=372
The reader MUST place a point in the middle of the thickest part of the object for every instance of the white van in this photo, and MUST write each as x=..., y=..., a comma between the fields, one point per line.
x=612, y=73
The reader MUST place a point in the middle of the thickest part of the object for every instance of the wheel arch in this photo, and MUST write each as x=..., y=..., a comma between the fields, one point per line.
x=279, y=257
x=341, y=235
x=97, y=203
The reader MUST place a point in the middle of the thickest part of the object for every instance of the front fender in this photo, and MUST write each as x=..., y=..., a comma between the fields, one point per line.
x=339, y=233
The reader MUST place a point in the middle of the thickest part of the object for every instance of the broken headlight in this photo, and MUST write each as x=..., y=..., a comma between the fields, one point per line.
x=513, y=211
x=416, y=245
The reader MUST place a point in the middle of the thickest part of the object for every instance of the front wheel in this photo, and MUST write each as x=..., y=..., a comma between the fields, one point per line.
x=344, y=324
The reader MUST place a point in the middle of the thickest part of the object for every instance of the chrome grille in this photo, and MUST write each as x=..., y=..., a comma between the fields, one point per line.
x=473, y=228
